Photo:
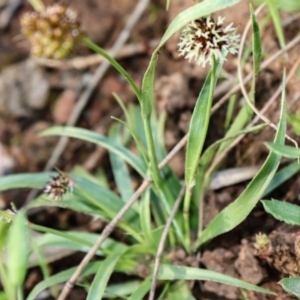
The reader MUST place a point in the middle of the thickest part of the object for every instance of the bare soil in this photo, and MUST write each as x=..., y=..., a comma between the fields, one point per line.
x=30, y=104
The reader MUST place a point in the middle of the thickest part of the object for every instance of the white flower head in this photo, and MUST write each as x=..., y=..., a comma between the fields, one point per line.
x=203, y=39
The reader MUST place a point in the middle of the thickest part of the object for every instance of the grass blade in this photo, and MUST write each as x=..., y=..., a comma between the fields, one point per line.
x=25, y=180
x=281, y=176
x=143, y=289
x=277, y=21
x=17, y=250
x=283, y=150
x=169, y=272
x=119, y=168
x=93, y=137
x=100, y=281
x=236, y=212
x=256, y=44
x=62, y=277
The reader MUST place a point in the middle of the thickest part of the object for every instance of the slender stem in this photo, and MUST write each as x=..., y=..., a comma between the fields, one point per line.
x=114, y=63
x=20, y=295
x=155, y=174
x=154, y=170
x=37, y=5
x=201, y=206
x=162, y=190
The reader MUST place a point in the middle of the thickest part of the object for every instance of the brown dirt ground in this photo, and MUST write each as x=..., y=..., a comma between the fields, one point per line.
x=21, y=150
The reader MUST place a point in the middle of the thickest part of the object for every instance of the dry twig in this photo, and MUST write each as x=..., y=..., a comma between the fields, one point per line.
x=241, y=81
x=162, y=241
x=95, y=59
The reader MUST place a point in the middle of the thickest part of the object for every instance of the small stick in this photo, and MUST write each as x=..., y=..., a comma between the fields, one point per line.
x=264, y=65
x=94, y=59
x=255, y=120
x=242, y=85
x=162, y=241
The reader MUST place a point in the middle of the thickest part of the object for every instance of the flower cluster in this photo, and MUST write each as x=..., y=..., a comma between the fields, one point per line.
x=58, y=186
x=52, y=32
x=203, y=39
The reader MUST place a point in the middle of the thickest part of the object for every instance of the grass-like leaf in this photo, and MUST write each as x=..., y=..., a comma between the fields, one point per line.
x=169, y=272
x=180, y=290
x=236, y=212
x=93, y=137
x=62, y=277
x=100, y=281
x=25, y=180
x=143, y=289
x=119, y=168
x=121, y=290
x=17, y=250
x=291, y=285
x=77, y=241
x=283, y=150
x=256, y=44
x=283, y=211
x=114, y=63
x=199, y=124
x=145, y=220
x=281, y=176
x=277, y=21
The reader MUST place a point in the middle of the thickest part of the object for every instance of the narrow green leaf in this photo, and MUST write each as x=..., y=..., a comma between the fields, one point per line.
x=25, y=180
x=281, y=176
x=208, y=154
x=256, y=44
x=295, y=122
x=283, y=150
x=143, y=289
x=236, y=212
x=291, y=285
x=119, y=168
x=93, y=137
x=145, y=220
x=17, y=250
x=199, y=124
x=170, y=272
x=107, y=201
x=114, y=63
x=121, y=290
x=277, y=21
x=285, y=5
x=90, y=269
x=100, y=281
x=283, y=211
x=207, y=157
x=180, y=290
x=78, y=241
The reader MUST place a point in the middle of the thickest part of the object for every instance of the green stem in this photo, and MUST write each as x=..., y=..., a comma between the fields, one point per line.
x=37, y=5
x=20, y=295
x=162, y=189
x=114, y=63
x=155, y=173
x=8, y=288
